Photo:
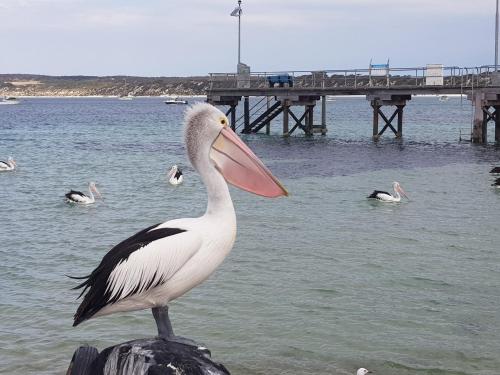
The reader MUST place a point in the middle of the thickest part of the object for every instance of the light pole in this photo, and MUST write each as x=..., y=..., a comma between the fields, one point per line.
x=237, y=13
x=496, y=40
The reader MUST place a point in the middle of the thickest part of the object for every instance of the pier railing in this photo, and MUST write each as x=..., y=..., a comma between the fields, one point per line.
x=453, y=76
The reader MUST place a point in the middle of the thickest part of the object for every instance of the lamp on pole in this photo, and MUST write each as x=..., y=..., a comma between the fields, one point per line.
x=237, y=13
x=496, y=40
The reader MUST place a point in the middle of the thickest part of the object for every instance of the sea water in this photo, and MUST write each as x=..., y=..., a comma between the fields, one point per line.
x=322, y=282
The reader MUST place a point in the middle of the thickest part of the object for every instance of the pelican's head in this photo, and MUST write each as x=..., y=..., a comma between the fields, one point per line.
x=93, y=188
x=173, y=170
x=363, y=371
x=210, y=139
x=397, y=187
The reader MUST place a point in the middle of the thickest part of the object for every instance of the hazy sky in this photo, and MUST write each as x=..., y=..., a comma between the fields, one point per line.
x=194, y=37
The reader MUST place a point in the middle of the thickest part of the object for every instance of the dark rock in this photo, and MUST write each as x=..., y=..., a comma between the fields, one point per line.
x=145, y=357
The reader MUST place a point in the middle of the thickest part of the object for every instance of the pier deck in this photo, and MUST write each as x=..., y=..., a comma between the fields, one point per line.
x=280, y=91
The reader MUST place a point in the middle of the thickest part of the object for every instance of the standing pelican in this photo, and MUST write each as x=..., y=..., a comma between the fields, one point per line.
x=386, y=197
x=164, y=261
x=175, y=175
x=80, y=198
x=8, y=165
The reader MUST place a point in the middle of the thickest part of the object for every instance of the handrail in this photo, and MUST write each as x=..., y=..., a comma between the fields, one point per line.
x=452, y=76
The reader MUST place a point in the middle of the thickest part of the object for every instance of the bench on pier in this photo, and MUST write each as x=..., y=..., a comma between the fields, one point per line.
x=281, y=80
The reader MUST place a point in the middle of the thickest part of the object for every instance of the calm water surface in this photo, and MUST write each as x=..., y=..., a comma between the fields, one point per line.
x=322, y=282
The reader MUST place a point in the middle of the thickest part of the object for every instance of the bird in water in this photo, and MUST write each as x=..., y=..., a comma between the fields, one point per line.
x=8, y=165
x=164, y=261
x=387, y=197
x=78, y=197
x=363, y=371
x=175, y=176
x=495, y=170
x=496, y=183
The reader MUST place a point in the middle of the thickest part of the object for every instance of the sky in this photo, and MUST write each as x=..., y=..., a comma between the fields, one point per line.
x=196, y=37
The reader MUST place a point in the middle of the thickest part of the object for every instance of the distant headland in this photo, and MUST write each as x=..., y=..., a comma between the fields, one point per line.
x=41, y=85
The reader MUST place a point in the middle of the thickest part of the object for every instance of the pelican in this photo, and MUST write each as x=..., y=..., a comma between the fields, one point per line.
x=363, y=371
x=175, y=175
x=496, y=183
x=8, y=165
x=386, y=197
x=164, y=261
x=495, y=170
x=80, y=198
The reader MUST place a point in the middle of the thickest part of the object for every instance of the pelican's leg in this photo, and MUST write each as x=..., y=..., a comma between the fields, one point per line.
x=165, y=330
x=163, y=324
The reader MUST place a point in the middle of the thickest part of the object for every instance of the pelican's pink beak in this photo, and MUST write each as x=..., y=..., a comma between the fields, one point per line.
x=402, y=192
x=242, y=168
x=97, y=192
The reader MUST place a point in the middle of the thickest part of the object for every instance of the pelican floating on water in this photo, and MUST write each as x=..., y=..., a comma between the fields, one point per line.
x=175, y=175
x=80, y=198
x=495, y=170
x=363, y=371
x=387, y=197
x=164, y=261
x=8, y=165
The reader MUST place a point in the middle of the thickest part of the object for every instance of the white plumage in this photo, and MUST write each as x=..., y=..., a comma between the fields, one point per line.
x=384, y=196
x=175, y=176
x=164, y=261
x=8, y=165
x=80, y=198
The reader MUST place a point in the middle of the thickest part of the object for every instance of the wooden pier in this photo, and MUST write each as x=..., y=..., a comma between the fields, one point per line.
x=294, y=95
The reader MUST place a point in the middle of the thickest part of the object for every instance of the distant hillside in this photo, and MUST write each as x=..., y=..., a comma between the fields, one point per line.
x=39, y=85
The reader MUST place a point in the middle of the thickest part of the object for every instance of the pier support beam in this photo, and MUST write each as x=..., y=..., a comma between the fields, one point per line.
x=377, y=101
x=286, y=108
x=323, y=115
x=486, y=109
x=246, y=114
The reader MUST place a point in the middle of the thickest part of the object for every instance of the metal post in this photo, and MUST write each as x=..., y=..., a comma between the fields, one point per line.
x=239, y=32
x=484, y=125
x=268, y=125
x=496, y=39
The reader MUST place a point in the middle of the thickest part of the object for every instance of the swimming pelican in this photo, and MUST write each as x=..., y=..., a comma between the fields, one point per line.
x=495, y=170
x=363, y=371
x=386, y=197
x=80, y=198
x=8, y=165
x=175, y=175
x=496, y=183
x=164, y=261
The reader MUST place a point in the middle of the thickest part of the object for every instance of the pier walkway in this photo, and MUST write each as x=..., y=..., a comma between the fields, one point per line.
x=278, y=92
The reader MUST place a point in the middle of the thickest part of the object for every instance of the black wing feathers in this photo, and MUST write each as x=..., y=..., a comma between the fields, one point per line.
x=375, y=192
x=68, y=195
x=97, y=296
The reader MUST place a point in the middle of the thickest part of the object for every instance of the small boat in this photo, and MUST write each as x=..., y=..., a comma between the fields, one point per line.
x=9, y=100
x=175, y=100
x=126, y=97
x=443, y=98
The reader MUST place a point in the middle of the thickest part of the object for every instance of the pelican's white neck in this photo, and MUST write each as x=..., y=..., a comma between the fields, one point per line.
x=219, y=199
x=92, y=198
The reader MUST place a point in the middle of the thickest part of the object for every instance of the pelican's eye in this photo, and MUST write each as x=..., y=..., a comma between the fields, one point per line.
x=223, y=122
